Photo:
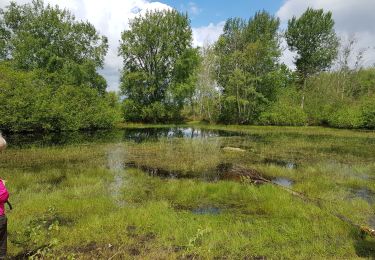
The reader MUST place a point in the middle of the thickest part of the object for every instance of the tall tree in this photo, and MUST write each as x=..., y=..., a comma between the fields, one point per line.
x=313, y=38
x=248, y=52
x=38, y=36
x=159, y=66
x=207, y=92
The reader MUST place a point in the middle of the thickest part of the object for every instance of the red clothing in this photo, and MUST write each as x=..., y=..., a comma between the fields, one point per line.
x=4, y=195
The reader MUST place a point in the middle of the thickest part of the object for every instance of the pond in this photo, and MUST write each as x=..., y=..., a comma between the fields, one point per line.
x=195, y=189
x=22, y=140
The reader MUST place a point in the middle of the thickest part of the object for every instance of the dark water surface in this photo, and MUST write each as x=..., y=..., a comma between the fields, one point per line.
x=23, y=140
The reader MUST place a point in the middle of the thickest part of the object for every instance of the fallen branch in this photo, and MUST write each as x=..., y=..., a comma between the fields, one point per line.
x=253, y=176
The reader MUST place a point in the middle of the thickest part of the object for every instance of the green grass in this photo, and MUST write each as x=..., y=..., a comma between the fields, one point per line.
x=76, y=201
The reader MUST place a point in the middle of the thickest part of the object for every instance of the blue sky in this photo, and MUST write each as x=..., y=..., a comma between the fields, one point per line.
x=204, y=12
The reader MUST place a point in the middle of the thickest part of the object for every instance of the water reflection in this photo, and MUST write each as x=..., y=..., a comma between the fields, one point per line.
x=364, y=194
x=282, y=181
x=206, y=211
x=24, y=140
x=149, y=134
x=282, y=163
x=109, y=136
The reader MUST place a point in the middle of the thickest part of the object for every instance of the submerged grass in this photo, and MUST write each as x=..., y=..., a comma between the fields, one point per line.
x=66, y=199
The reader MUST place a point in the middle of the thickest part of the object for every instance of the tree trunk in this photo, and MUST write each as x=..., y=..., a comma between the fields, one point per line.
x=303, y=94
x=238, y=105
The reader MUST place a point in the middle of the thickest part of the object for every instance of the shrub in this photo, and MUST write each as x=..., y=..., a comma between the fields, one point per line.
x=368, y=112
x=285, y=111
x=82, y=108
x=283, y=114
x=347, y=117
x=30, y=104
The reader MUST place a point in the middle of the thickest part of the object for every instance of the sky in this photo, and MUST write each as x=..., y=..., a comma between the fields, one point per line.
x=353, y=18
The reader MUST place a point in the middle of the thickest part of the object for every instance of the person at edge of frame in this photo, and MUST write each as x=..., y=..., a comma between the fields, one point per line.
x=4, y=195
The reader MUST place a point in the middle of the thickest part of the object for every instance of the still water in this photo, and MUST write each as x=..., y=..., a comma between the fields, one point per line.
x=110, y=136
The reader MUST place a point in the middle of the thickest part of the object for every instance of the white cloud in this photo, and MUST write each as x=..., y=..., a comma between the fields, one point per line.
x=207, y=34
x=351, y=18
x=194, y=9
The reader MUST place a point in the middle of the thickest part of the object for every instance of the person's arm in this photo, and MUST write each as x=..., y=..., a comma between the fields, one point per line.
x=4, y=195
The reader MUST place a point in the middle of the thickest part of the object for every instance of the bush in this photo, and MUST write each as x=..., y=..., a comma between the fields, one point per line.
x=156, y=112
x=25, y=101
x=347, y=117
x=283, y=114
x=82, y=108
x=30, y=104
x=285, y=111
x=368, y=112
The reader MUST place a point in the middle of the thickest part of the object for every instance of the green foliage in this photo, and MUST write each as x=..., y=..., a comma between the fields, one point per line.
x=248, y=55
x=323, y=97
x=205, y=103
x=39, y=233
x=25, y=101
x=49, y=80
x=347, y=117
x=336, y=102
x=285, y=111
x=36, y=36
x=82, y=108
x=313, y=38
x=159, y=66
x=4, y=38
x=368, y=112
x=30, y=104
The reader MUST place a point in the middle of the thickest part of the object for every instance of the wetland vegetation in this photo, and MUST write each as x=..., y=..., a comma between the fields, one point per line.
x=225, y=186
x=151, y=192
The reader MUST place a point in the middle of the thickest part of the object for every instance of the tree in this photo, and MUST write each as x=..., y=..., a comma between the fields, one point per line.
x=313, y=38
x=207, y=93
x=35, y=36
x=4, y=38
x=159, y=65
x=248, y=53
x=28, y=103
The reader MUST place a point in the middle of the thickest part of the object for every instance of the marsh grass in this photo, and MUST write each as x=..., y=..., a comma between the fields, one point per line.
x=64, y=204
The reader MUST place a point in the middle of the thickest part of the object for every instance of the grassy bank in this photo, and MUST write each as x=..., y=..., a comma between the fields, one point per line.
x=81, y=201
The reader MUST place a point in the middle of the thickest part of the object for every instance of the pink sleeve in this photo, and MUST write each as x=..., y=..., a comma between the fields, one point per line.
x=4, y=195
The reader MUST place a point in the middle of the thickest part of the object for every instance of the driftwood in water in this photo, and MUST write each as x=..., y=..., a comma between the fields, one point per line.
x=364, y=229
x=228, y=171
x=237, y=173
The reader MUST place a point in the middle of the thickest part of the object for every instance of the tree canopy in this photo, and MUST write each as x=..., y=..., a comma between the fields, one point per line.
x=48, y=71
x=37, y=36
x=248, y=53
x=159, y=65
x=49, y=80
x=313, y=37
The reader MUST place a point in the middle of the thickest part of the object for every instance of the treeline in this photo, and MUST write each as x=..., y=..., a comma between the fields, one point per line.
x=49, y=79
x=240, y=79
x=48, y=71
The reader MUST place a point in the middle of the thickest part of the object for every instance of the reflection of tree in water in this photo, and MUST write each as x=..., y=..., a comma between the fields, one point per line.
x=143, y=134
x=110, y=136
x=17, y=140
x=115, y=158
